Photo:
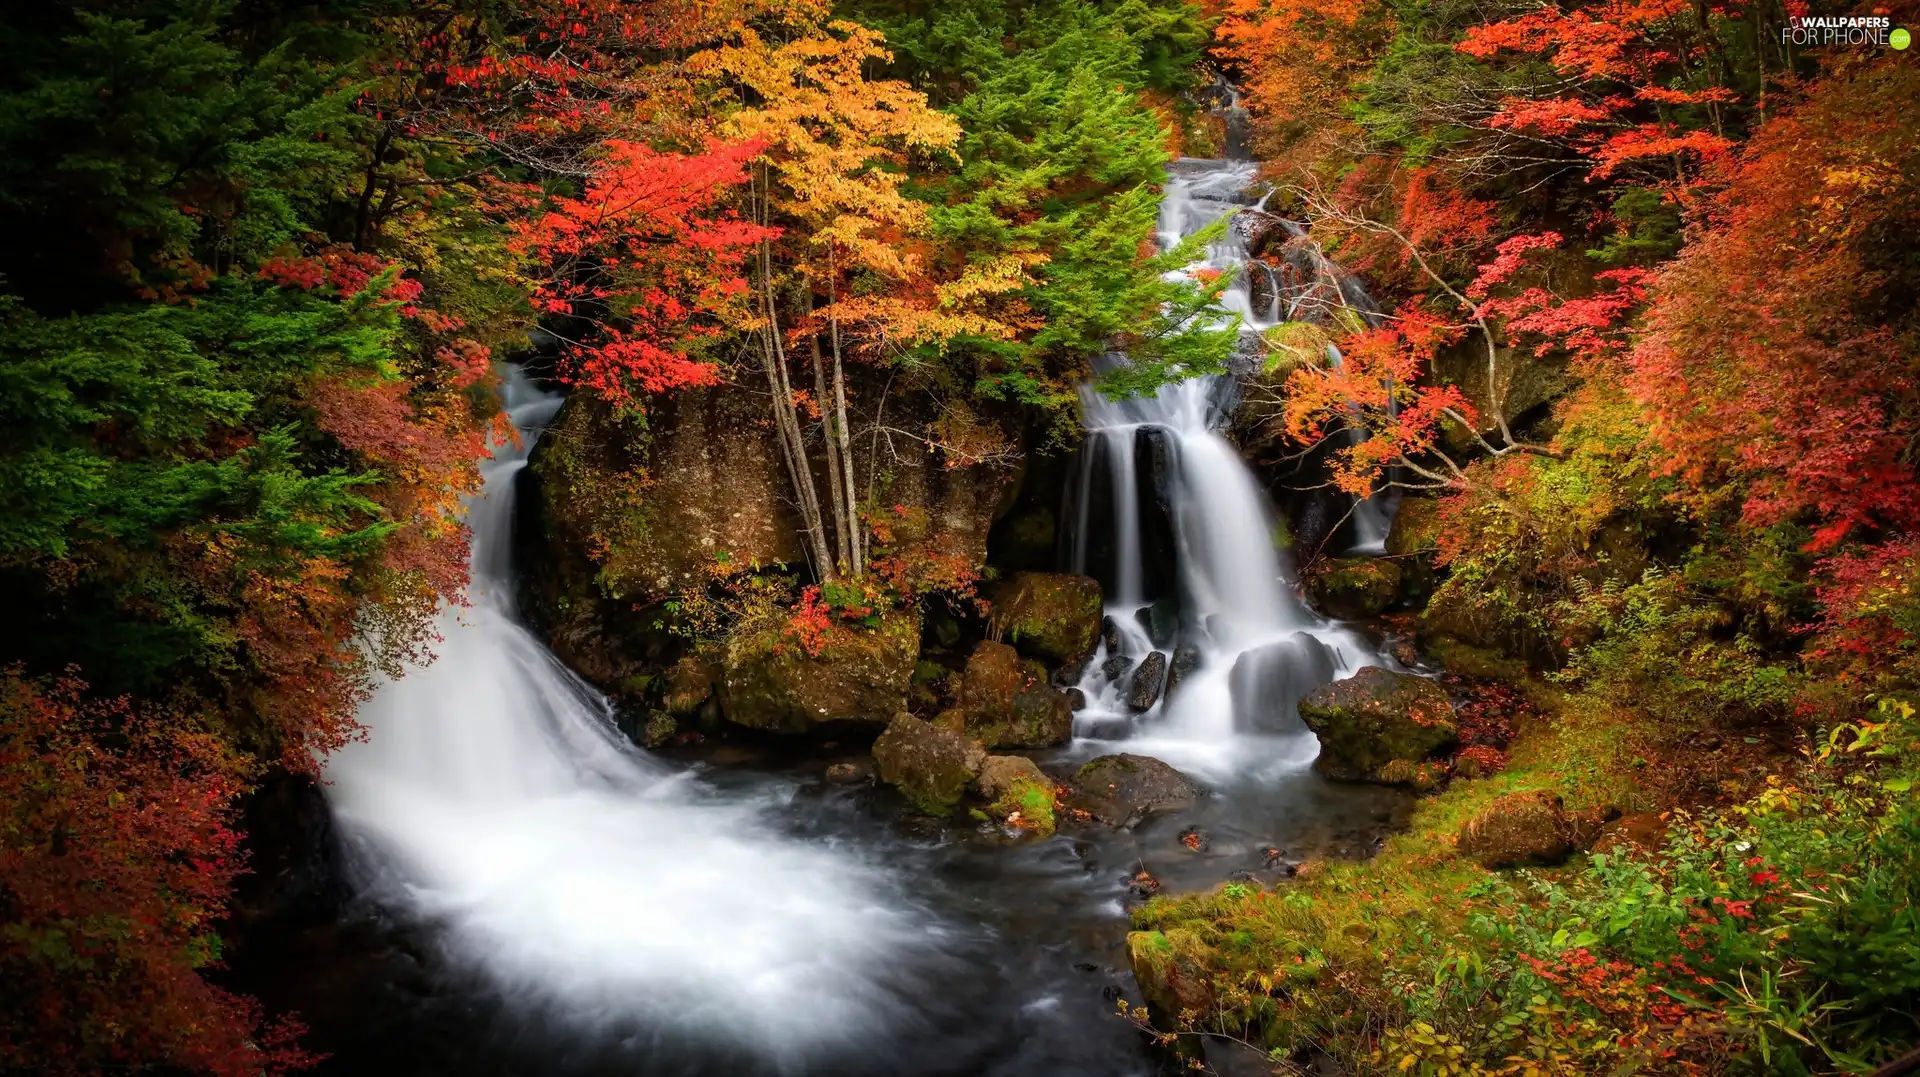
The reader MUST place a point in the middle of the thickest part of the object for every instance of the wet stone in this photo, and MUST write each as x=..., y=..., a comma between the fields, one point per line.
x=1186, y=659
x=1147, y=682
x=1116, y=666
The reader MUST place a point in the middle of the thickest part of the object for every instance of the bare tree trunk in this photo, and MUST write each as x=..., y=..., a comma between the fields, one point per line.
x=792, y=444
x=856, y=552
x=842, y=523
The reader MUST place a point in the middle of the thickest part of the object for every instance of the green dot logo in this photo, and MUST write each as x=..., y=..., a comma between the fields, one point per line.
x=1900, y=39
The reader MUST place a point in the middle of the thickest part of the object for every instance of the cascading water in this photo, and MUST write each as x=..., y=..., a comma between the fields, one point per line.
x=1223, y=631
x=494, y=801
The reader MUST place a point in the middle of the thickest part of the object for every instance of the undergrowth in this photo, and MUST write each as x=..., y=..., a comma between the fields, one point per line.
x=1776, y=934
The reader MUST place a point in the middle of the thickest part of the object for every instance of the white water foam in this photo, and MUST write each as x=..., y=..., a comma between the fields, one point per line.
x=494, y=799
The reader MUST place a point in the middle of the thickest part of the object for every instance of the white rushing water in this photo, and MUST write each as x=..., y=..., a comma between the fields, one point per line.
x=494, y=799
x=1243, y=645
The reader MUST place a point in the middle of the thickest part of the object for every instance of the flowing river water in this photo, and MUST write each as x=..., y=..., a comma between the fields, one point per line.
x=535, y=895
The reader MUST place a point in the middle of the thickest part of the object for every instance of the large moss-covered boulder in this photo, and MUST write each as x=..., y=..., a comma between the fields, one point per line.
x=770, y=682
x=1519, y=829
x=1115, y=788
x=931, y=767
x=1353, y=587
x=1053, y=616
x=1375, y=717
x=1007, y=702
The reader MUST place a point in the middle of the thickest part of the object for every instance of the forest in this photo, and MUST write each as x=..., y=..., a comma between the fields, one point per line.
x=1614, y=305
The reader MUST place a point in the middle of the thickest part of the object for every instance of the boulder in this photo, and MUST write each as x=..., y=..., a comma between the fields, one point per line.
x=1353, y=587
x=1147, y=682
x=931, y=767
x=1008, y=703
x=1517, y=829
x=1053, y=616
x=1115, y=788
x=1160, y=621
x=1110, y=635
x=1374, y=717
x=770, y=682
x=1116, y=666
x=1170, y=967
x=1017, y=793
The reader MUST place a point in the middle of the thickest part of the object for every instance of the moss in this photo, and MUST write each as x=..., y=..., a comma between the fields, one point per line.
x=1354, y=587
x=1359, y=917
x=660, y=729
x=860, y=675
x=1050, y=615
x=1027, y=804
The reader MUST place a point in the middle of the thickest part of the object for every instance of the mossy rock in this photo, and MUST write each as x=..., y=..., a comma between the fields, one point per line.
x=931, y=767
x=1053, y=616
x=1527, y=828
x=1367, y=721
x=860, y=675
x=1009, y=703
x=1353, y=587
x=1171, y=969
x=689, y=683
x=1018, y=793
x=1478, y=662
x=1416, y=527
x=1115, y=788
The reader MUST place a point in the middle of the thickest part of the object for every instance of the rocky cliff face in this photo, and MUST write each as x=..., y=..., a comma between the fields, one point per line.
x=626, y=514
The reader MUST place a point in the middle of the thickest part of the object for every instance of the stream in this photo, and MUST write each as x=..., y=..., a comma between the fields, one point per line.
x=532, y=894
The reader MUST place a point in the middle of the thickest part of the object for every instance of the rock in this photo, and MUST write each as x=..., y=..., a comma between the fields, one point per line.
x=1069, y=675
x=1268, y=682
x=1115, y=788
x=1147, y=681
x=1049, y=615
x=660, y=729
x=1018, y=793
x=716, y=489
x=1374, y=717
x=1415, y=527
x=1258, y=229
x=1116, y=666
x=1076, y=699
x=1110, y=635
x=1160, y=621
x=850, y=773
x=689, y=683
x=1186, y=659
x=1353, y=587
x=1008, y=703
x=932, y=767
x=860, y=675
x=1171, y=970
x=1516, y=829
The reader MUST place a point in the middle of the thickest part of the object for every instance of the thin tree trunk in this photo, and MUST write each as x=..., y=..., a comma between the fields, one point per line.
x=857, y=554
x=794, y=447
x=842, y=523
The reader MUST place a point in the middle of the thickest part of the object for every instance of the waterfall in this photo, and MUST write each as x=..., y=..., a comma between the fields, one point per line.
x=1180, y=533
x=493, y=801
